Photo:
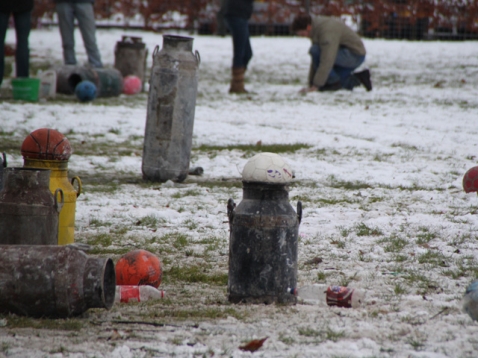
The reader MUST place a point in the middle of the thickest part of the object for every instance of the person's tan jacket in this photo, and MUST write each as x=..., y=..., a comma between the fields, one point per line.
x=329, y=34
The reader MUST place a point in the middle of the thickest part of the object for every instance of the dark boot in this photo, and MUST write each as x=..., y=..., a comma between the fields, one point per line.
x=237, y=81
x=364, y=78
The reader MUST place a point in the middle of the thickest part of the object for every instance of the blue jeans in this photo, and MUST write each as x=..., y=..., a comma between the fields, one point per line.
x=345, y=63
x=84, y=13
x=22, y=53
x=239, y=28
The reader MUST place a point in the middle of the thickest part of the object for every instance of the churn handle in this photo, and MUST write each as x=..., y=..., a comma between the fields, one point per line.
x=59, y=206
x=4, y=159
x=78, y=192
x=299, y=211
x=231, y=205
x=155, y=51
x=198, y=57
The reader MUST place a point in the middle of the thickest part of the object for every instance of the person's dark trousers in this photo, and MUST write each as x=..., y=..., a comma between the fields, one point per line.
x=22, y=22
x=345, y=63
x=242, y=50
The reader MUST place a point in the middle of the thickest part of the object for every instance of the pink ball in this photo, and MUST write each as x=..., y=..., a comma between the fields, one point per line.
x=131, y=85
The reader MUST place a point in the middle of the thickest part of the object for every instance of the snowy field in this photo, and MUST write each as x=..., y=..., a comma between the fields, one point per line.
x=379, y=175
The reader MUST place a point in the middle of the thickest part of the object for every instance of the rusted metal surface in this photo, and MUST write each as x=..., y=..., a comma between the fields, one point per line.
x=108, y=81
x=130, y=57
x=263, y=245
x=29, y=213
x=170, y=112
x=53, y=281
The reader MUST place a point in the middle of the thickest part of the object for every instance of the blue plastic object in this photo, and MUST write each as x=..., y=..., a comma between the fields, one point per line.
x=470, y=300
x=85, y=91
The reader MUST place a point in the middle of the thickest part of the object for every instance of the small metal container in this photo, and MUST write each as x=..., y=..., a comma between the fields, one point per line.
x=29, y=213
x=263, y=245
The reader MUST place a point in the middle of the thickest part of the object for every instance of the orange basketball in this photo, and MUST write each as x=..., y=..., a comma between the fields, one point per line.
x=139, y=267
x=46, y=143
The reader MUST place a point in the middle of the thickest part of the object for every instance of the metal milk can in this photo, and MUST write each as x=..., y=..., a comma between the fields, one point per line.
x=108, y=81
x=130, y=57
x=54, y=281
x=28, y=210
x=59, y=179
x=170, y=114
x=264, y=232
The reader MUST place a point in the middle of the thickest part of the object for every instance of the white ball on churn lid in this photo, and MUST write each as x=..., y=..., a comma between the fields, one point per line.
x=267, y=168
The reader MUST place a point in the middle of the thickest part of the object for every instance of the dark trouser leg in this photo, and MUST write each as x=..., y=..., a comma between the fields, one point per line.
x=239, y=28
x=22, y=30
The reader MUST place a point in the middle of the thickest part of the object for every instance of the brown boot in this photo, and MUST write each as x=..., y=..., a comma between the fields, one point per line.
x=237, y=82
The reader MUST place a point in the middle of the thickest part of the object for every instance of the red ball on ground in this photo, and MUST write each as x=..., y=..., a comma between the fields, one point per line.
x=131, y=84
x=139, y=267
x=46, y=143
x=470, y=180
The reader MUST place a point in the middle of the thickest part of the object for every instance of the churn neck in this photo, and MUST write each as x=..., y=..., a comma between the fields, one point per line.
x=265, y=191
x=182, y=43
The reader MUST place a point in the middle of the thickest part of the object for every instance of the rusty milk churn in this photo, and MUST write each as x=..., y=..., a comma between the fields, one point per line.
x=54, y=281
x=108, y=81
x=3, y=164
x=49, y=149
x=28, y=210
x=170, y=114
x=130, y=57
x=263, y=234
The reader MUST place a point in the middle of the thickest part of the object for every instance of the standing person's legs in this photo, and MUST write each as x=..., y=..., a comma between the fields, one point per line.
x=66, y=23
x=3, y=32
x=22, y=31
x=86, y=21
x=242, y=50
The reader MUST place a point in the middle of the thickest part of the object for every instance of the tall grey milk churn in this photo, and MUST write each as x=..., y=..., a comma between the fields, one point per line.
x=170, y=113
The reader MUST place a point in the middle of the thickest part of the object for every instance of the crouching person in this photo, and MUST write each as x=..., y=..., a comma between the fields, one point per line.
x=336, y=52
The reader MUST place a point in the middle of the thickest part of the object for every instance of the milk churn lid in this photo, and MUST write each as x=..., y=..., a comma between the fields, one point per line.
x=268, y=168
x=47, y=144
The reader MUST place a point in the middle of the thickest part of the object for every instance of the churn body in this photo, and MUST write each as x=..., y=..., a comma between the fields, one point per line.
x=170, y=112
x=263, y=245
x=108, y=81
x=130, y=57
x=28, y=211
x=54, y=281
x=59, y=179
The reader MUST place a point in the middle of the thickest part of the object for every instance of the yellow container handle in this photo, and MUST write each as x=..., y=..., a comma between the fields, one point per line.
x=59, y=205
x=78, y=192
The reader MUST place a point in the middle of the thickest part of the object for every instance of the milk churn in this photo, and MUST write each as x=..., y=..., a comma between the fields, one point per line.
x=130, y=57
x=3, y=164
x=57, y=163
x=170, y=113
x=263, y=242
x=54, y=281
x=28, y=210
x=108, y=81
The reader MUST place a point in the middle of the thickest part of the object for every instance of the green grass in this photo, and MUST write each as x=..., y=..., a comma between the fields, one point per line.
x=72, y=324
x=195, y=274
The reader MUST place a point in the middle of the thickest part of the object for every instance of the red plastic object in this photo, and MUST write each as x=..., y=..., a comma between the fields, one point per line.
x=470, y=180
x=131, y=85
x=46, y=143
x=139, y=267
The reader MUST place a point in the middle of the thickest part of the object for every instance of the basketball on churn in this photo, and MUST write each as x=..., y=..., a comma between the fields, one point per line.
x=131, y=84
x=139, y=267
x=46, y=144
x=85, y=91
